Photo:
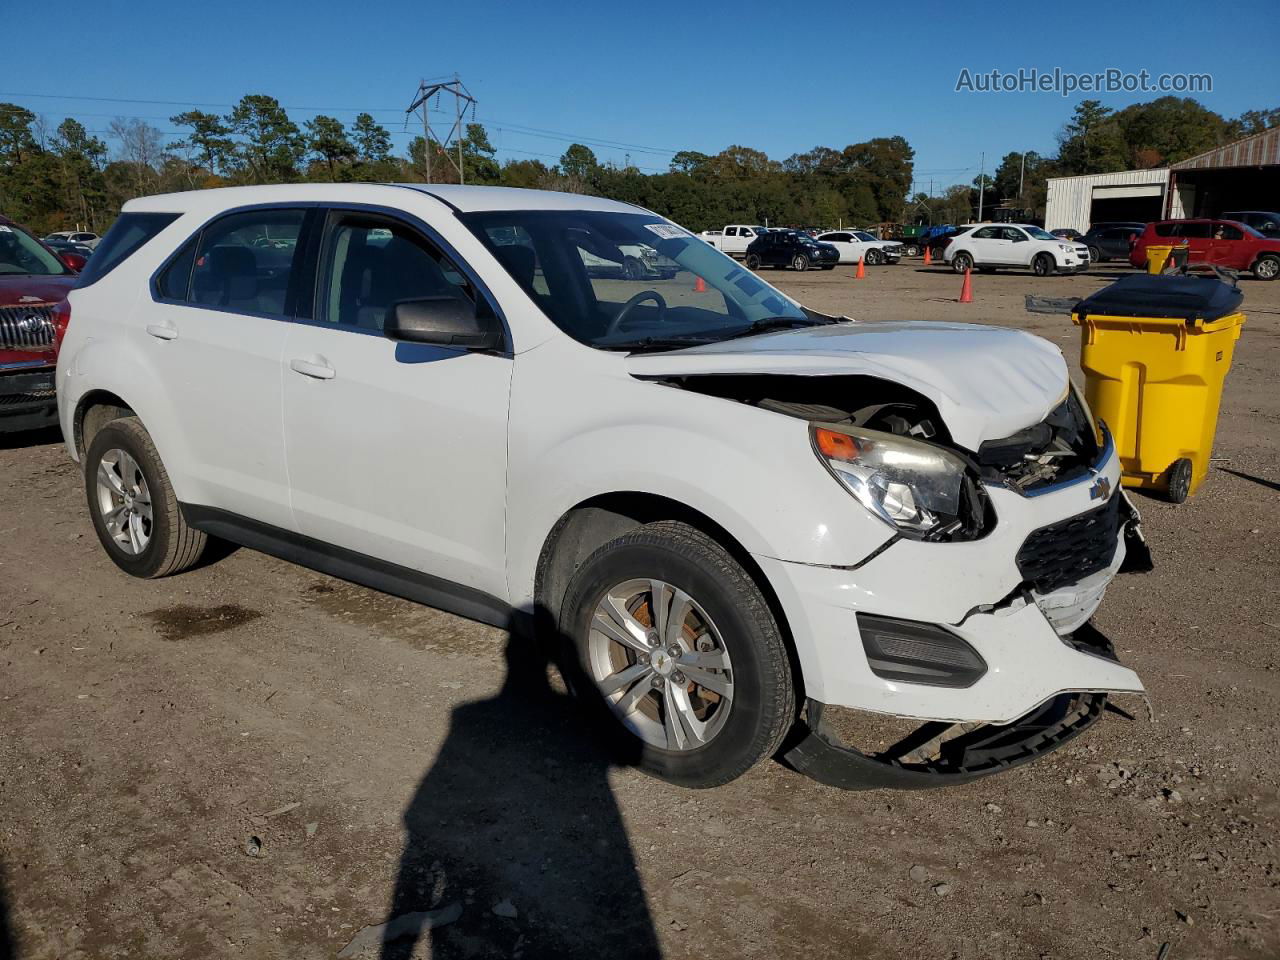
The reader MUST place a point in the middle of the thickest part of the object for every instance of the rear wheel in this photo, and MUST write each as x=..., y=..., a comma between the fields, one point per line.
x=800, y=262
x=1267, y=267
x=962, y=263
x=132, y=504
x=1180, y=480
x=1042, y=265
x=911, y=250
x=676, y=648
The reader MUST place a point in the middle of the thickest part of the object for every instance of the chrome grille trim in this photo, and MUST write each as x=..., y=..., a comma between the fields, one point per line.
x=27, y=328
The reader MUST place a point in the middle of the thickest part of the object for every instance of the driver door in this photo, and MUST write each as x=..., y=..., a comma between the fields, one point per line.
x=397, y=451
x=1018, y=247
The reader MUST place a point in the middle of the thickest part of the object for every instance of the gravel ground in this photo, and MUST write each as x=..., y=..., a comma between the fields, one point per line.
x=253, y=760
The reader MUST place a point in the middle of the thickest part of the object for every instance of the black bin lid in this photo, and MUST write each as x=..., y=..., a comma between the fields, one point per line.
x=1184, y=297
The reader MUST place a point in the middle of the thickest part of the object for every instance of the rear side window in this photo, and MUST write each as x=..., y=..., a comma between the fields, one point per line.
x=174, y=282
x=243, y=261
x=125, y=238
x=1196, y=231
x=1166, y=229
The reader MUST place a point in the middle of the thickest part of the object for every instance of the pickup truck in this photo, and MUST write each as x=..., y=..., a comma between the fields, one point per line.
x=733, y=239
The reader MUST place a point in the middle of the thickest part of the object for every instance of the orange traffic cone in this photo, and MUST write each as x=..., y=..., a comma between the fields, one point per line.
x=927, y=259
x=862, y=268
x=700, y=286
x=966, y=289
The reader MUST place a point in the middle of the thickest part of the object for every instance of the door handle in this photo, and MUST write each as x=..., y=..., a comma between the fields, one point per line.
x=163, y=331
x=316, y=369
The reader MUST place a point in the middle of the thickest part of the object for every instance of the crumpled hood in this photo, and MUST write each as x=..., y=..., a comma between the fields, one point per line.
x=987, y=382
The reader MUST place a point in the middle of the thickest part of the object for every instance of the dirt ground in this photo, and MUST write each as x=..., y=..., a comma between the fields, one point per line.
x=252, y=760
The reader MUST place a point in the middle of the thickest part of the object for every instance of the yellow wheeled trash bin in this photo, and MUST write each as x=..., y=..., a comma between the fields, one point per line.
x=1155, y=353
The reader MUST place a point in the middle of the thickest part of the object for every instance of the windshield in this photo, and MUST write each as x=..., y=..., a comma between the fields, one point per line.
x=627, y=280
x=23, y=253
x=1038, y=234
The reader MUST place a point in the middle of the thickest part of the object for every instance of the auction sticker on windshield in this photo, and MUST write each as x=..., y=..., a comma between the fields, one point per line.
x=667, y=231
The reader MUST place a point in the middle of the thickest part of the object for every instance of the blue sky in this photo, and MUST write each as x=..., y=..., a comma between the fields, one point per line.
x=658, y=76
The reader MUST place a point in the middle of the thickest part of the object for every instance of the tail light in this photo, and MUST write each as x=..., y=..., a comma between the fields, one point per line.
x=61, y=320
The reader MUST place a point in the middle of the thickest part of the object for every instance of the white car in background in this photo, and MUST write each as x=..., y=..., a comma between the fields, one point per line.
x=854, y=245
x=733, y=239
x=82, y=237
x=723, y=513
x=991, y=246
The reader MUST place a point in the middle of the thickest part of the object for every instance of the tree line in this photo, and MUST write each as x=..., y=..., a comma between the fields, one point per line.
x=67, y=177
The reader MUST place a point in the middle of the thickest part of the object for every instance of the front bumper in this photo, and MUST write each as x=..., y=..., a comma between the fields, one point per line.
x=975, y=591
x=27, y=398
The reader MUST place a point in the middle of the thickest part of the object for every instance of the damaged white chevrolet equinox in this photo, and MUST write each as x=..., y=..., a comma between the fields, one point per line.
x=747, y=527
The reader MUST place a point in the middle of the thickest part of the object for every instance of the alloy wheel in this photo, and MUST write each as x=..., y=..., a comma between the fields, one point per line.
x=660, y=664
x=124, y=501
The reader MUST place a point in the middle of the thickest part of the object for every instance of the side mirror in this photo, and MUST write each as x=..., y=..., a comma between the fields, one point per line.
x=74, y=261
x=443, y=321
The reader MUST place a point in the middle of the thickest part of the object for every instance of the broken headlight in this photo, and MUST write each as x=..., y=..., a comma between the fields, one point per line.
x=917, y=488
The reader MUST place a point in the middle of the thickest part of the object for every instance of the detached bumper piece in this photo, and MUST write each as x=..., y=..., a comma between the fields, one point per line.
x=939, y=754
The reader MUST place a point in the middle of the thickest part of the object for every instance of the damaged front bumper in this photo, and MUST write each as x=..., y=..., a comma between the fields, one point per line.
x=987, y=642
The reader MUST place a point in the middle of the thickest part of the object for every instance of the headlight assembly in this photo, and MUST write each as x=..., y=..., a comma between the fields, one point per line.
x=920, y=489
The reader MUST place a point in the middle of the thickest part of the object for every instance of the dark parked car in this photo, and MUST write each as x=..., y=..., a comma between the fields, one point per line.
x=1266, y=222
x=1066, y=233
x=66, y=246
x=33, y=280
x=790, y=248
x=1111, y=241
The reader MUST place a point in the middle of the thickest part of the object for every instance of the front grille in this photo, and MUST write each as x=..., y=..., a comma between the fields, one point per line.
x=1072, y=549
x=26, y=328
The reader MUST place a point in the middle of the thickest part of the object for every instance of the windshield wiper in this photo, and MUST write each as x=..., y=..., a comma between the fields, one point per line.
x=647, y=344
x=767, y=324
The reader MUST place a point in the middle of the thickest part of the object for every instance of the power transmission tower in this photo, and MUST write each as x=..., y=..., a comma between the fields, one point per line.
x=462, y=98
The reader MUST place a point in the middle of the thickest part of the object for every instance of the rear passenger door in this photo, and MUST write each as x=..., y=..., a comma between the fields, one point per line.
x=216, y=329
x=1196, y=235
x=396, y=451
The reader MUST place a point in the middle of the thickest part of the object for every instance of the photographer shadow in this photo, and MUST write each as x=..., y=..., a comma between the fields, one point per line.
x=515, y=845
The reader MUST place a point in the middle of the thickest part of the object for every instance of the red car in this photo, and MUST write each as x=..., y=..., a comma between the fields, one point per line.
x=33, y=287
x=1227, y=243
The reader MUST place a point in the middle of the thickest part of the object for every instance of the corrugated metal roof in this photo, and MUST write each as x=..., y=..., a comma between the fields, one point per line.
x=1260, y=150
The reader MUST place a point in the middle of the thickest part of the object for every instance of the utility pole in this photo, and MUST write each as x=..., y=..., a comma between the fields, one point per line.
x=461, y=99
x=982, y=183
x=1022, y=174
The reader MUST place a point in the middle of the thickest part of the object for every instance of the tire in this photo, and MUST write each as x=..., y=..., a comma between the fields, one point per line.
x=962, y=262
x=874, y=257
x=911, y=250
x=1043, y=265
x=1095, y=255
x=737, y=627
x=800, y=263
x=154, y=540
x=632, y=269
x=1267, y=267
x=1180, y=480
x=753, y=262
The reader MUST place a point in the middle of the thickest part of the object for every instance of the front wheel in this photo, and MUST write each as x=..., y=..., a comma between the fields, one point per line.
x=1042, y=265
x=874, y=257
x=753, y=262
x=911, y=250
x=962, y=263
x=800, y=263
x=633, y=269
x=1095, y=255
x=1267, y=267
x=132, y=504
x=674, y=645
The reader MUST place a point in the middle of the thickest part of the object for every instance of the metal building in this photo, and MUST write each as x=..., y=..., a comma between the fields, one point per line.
x=1244, y=175
x=1077, y=202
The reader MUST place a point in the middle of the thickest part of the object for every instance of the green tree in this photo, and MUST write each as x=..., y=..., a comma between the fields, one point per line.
x=373, y=142
x=271, y=144
x=210, y=139
x=1092, y=141
x=579, y=167
x=327, y=140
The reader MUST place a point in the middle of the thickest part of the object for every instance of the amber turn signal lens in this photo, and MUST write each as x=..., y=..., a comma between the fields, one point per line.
x=836, y=446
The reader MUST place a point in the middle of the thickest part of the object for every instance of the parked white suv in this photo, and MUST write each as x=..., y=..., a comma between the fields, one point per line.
x=726, y=512
x=855, y=245
x=998, y=245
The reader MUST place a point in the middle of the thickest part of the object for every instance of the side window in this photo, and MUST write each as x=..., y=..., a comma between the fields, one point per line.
x=1196, y=231
x=126, y=237
x=1013, y=234
x=371, y=263
x=243, y=261
x=987, y=233
x=174, y=283
x=1166, y=230
x=1226, y=231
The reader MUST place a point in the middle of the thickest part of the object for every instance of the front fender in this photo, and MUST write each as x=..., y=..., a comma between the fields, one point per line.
x=582, y=427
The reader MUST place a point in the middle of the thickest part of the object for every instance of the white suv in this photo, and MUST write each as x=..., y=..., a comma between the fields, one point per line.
x=724, y=512
x=992, y=245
